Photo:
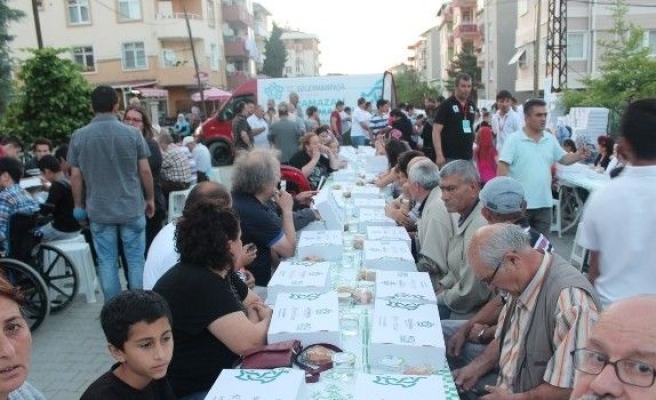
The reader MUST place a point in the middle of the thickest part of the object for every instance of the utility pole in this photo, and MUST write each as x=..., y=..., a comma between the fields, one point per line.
x=193, y=56
x=536, y=55
x=37, y=22
x=557, y=44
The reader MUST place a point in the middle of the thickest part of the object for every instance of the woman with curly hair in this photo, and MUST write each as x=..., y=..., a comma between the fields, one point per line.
x=215, y=316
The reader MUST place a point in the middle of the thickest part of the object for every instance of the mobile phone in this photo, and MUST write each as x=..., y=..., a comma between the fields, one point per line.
x=283, y=185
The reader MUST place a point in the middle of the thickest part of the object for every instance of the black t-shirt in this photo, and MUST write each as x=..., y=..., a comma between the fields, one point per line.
x=60, y=205
x=456, y=144
x=110, y=387
x=301, y=158
x=197, y=297
x=239, y=125
x=259, y=225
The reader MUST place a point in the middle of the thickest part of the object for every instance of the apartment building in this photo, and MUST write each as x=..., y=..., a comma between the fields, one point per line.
x=445, y=50
x=241, y=51
x=497, y=23
x=417, y=56
x=136, y=46
x=262, y=26
x=587, y=23
x=302, y=54
x=433, y=62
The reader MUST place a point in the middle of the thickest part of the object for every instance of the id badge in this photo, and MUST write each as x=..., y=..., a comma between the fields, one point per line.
x=466, y=126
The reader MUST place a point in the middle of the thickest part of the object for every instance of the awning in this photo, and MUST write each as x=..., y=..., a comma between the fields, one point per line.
x=517, y=56
x=133, y=84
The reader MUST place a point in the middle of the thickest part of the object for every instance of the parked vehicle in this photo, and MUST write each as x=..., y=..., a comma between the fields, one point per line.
x=322, y=92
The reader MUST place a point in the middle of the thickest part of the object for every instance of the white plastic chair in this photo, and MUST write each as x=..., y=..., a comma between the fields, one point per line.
x=556, y=216
x=176, y=203
x=577, y=258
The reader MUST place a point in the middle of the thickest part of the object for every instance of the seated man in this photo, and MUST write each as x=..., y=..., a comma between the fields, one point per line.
x=549, y=315
x=13, y=199
x=59, y=202
x=176, y=171
x=41, y=147
x=254, y=184
x=623, y=340
x=443, y=240
x=503, y=201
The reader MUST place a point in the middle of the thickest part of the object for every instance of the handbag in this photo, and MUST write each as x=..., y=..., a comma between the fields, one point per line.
x=276, y=355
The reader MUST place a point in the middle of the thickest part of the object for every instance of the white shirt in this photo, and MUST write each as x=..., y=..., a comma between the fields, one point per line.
x=203, y=158
x=360, y=115
x=505, y=125
x=161, y=256
x=261, y=139
x=620, y=222
x=346, y=123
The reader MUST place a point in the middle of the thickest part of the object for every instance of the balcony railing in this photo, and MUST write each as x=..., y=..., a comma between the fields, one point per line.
x=465, y=29
x=235, y=48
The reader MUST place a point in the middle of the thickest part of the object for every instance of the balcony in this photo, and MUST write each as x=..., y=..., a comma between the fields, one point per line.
x=464, y=3
x=173, y=27
x=235, y=48
x=466, y=30
x=237, y=14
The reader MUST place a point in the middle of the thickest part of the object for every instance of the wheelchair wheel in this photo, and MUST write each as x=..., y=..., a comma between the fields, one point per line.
x=59, y=275
x=33, y=288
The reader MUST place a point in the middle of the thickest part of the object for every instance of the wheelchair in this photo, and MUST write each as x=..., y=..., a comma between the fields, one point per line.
x=44, y=274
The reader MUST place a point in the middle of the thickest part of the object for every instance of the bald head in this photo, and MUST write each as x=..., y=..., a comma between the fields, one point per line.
x=208, y=191
x=624, y=331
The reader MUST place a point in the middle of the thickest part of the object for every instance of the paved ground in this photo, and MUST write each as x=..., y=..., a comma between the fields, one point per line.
x=70, y=352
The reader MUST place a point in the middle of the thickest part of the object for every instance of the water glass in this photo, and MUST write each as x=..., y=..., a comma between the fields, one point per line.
x=347, y=259
x=349, y=323
x=347, y=241
x=353, y=225
x=343, y=366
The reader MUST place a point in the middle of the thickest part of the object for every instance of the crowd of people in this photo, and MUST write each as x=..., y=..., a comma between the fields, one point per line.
x=473, y=189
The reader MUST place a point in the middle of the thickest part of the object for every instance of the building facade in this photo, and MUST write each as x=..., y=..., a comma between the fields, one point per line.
x=139, y=47
x=302, y=54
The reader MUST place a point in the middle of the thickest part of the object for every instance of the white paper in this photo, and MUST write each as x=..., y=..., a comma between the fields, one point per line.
x=405, y=286
x=298, y=277
x=254, y=384
x=387, y=249
x=398, y=387
x=387, y=233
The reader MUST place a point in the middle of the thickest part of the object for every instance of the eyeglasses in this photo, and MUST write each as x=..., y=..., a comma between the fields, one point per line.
x=490, y=278
x=129, y=119
x=631, y=372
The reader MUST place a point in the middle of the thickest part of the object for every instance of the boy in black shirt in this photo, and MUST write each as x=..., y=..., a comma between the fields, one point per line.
x=137, y=325
x=59, y=202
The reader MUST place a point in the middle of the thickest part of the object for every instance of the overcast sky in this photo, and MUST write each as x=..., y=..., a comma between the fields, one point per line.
x=358, y=36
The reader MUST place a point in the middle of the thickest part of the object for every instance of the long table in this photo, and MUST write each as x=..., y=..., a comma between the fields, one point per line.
x=573, y=177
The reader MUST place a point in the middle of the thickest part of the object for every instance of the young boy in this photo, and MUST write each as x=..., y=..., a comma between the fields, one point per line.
x=137, y=325
x=59, y=202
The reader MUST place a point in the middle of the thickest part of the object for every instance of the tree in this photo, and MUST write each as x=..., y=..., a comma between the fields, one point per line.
x=7, y=15
x=275, y=54
x=627, y=71
x=52, y=100
x=410, y=88
x=466, y=62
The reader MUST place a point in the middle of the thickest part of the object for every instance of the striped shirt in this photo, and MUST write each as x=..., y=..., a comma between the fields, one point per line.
x=574, y=319
x=378, y=122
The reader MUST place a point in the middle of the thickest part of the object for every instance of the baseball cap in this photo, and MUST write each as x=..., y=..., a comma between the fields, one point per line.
x=503, y=195
x=187, y=140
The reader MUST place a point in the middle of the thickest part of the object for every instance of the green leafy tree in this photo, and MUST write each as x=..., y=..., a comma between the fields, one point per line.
x=275, y=54
x=7, y=15
x=410, y=88
x=466, y=62
x=52, y=100
x=627, y=71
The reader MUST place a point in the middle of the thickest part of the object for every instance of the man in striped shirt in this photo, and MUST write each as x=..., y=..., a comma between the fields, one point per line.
x=551, y=313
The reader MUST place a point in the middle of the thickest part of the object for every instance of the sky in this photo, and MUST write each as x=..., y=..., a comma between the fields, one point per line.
x=358, y=36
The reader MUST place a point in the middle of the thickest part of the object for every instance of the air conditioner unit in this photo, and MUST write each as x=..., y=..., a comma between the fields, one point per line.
x=230, y=67
x=227, y=31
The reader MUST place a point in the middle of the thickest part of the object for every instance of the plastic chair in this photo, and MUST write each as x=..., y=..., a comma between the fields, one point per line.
x=556, y=216
x=176, y=203
x=579, y=253
x=296, y=181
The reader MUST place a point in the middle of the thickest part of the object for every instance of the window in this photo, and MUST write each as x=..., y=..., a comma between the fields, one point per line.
x=129, y=10
x=134, y=56
x=650, y=42
x=467, y=16
x=576, y=45
x=169, y=58
x=211, y=18
x=78, y=12
x=84, y=56
x=214, y=57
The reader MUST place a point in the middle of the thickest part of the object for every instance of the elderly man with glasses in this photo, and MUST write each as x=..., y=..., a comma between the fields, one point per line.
x=619, y=360
x=550, y=313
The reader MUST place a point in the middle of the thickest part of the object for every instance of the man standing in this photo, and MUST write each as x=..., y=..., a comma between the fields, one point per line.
x=619, y=220
x=336, y=120
x=506, y=120
x=360, y=128
x=296, y=117
x=284, y=134
x=293, y=99
x=241, y=131
x=453, y=127
x=550, y=314
x=528, y=155
x=380, y=120
x=110, y=160
x=259, y=128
